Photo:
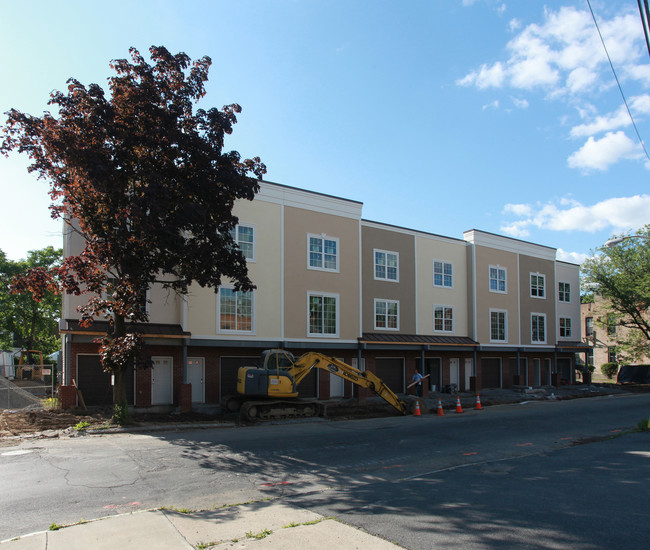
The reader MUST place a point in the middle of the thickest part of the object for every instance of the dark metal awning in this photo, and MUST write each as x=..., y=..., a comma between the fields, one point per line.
x=101, y=328
x=425, y=341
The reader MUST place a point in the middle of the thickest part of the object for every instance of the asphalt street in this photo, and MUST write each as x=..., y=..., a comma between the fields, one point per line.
x=535, y=475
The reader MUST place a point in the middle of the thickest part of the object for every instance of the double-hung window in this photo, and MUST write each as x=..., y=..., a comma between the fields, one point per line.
x=537, y=285
x=443, y=319
x=386, y=265
x=323, y=252
x=322, y=314
x=498, y=325
x=565, y=327
x=589, y=326
x=564, y=292
x=497, y=279
x=611, y=324
x=386, y=314
x=244, y=236
x=611, y=354
x=538, y=328
x=235, y=310
x=443, y=274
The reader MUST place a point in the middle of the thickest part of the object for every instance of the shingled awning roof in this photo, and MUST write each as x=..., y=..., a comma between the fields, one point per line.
x=148, y=330
x=415, y=340
x=581, y=346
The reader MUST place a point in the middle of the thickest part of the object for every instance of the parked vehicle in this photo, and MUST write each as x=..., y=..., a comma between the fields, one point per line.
x=634, y=374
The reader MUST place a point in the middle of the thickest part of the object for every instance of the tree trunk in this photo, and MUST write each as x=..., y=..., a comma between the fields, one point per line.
x=119, y=389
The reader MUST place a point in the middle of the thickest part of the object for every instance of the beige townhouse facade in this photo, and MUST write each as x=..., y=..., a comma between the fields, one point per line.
x=481, y=311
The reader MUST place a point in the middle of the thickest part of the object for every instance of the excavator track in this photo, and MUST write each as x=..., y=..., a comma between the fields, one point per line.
x=274, y=410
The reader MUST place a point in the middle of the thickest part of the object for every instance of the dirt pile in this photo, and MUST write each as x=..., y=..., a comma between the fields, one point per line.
x=28, y=421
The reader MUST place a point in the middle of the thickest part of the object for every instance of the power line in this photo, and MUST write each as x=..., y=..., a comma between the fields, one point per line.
x=644, y=19
x=616, y=76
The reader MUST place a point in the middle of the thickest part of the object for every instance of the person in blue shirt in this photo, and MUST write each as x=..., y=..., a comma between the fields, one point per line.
x=417, y=377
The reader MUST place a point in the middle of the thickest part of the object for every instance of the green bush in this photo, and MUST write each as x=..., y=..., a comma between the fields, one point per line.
x=121, y=415
x=610, y=370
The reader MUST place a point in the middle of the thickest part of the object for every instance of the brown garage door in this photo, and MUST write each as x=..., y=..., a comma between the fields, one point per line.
x=228, y=372
x=391, y=371
x=491, y=373
x=564, y=368
x=95, y=384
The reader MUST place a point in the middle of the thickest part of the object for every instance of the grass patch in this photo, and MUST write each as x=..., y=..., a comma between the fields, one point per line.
x=267, y=499
x=643, y=425
x=257, y=536
x=312, y=522
x=81, y=426
x=55, y=527
x=179, y=510
x=51, y=403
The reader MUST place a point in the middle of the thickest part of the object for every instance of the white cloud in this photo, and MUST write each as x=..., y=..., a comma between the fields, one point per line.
x=520, y=103
x=518, y=209
x=600, y=154
x=639, y=105
x=493, y=105
x=563, y=57
x=612, y=121
x=564, y=54
x=618, y=214
x=485, y=77
x=516, y=229
x=572, y=257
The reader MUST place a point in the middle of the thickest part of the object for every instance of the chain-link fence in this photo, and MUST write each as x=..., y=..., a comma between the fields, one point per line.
x=18, y=394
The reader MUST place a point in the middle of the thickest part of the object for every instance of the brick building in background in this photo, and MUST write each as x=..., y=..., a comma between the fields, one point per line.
x=601, y=332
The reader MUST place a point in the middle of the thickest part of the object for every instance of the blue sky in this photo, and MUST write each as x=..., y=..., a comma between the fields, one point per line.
x=441, y=116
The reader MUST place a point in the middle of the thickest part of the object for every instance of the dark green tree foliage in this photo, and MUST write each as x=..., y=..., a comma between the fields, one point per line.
x=144, y=179
x=24, y=321
x=621, y=275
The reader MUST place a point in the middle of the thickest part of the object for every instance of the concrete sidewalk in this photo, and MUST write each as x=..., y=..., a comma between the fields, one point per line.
x=261, y=525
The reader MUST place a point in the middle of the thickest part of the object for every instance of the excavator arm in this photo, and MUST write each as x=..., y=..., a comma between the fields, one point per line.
x=364, y=379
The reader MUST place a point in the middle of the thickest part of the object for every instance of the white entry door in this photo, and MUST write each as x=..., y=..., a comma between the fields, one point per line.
x=468, y=372
x=454, y=372
x=196, y=377
x=161, y=381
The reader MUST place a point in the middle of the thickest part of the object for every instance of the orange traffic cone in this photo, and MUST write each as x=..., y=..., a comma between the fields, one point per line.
x=459, y=409
x=440, y=411
x=417, y=412
x=478, y=403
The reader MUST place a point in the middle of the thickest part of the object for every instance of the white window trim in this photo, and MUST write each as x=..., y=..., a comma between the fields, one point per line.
x=324, y=237
x=374, y=265
x=535, y=314
x=250, y=332
x=254, y=228
x=505, y=319
x=558, y=292
x=530, y=285
x=377, y=300
x=338, y=314
x=433, y=268
x=505, y=273
x=453, y=318
x=559, y=327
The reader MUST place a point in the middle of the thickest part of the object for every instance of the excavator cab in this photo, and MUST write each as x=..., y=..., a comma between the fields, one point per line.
x=271, y=378
x=277, y=359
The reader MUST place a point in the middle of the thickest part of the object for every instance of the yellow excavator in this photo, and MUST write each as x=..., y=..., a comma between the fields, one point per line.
x=269, y=390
